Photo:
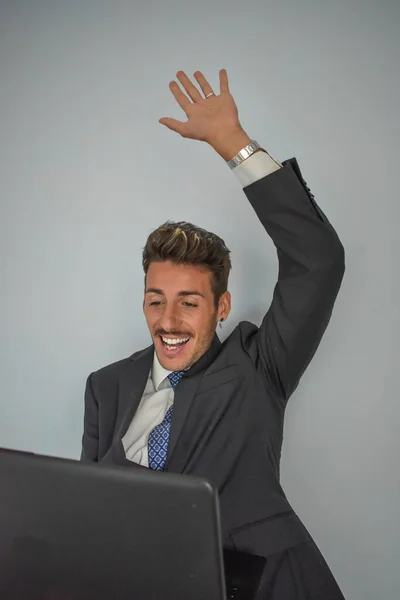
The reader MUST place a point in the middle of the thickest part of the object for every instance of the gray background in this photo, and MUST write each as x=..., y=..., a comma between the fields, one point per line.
x=87, y=172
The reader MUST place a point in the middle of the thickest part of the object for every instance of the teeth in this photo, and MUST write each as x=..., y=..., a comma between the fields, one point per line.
x=174, y=341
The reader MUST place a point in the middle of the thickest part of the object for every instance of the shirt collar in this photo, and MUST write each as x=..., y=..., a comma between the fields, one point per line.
x=158, y=373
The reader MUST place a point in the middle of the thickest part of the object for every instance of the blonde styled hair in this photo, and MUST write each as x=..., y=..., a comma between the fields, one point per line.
x=186, y=244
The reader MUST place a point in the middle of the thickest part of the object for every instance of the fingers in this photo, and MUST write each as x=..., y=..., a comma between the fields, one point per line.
x=173, y=124
x=223, y=81
x=194, y=94
x=190, y=88
x=203, y=83
x=180, y=97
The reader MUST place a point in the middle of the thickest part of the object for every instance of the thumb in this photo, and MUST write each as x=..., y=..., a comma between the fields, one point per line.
x=173, y=124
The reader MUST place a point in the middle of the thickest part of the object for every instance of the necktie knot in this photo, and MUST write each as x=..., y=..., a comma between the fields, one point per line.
x=175, y=378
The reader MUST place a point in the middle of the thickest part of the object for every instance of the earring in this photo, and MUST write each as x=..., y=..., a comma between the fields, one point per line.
x=221, y=321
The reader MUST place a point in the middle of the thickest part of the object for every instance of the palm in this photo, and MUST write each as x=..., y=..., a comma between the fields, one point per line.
x=207, y=117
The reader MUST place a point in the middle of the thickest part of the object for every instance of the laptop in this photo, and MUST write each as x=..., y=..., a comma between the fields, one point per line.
x=79, y=531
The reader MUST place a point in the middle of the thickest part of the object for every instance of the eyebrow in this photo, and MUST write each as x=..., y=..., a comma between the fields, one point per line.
x=182, y=293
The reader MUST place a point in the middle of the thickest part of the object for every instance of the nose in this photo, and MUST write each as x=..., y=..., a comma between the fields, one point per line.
x=169, y=320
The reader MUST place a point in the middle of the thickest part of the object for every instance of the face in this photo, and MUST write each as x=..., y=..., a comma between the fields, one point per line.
x=180, y=312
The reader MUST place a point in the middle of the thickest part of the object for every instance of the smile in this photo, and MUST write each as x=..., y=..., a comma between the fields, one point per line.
x=173, y=346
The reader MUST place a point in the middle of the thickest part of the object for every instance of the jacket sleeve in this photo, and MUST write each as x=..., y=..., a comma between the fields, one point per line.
x=311, y=268
x=90, y=438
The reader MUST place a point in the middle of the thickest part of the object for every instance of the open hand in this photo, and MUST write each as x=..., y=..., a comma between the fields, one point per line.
x=209, y=119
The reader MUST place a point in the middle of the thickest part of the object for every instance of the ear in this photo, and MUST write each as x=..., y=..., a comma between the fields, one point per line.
x=224, y=306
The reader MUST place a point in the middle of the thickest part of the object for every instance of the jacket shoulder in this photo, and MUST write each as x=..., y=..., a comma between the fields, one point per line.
x=243, y=336
x=114, y=369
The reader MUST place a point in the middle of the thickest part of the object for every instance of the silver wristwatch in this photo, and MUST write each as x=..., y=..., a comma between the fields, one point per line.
x=244, y=153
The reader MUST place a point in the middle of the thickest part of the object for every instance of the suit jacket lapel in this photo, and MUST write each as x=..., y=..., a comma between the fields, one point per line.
x=131, y=387
x=133, y=382
x=184, y=395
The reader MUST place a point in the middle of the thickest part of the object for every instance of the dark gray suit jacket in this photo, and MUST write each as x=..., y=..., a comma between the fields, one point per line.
x=229, y=407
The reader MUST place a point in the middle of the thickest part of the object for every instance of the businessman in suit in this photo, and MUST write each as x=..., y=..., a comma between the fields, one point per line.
x=191, y=404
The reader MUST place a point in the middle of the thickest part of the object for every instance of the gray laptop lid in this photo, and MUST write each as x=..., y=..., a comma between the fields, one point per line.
x=73, y=531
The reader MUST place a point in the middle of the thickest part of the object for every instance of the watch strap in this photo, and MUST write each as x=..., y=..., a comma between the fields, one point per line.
x=244, y=153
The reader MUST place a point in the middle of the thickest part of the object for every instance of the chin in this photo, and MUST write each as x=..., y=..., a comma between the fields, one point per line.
x=173, y=364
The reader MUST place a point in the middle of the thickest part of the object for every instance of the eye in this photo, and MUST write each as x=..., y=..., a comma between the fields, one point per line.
x=155, y=303
x=190, y=304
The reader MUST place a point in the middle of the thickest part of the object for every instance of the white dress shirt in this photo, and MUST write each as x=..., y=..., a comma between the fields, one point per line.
x=157, y=397
x=159, y=394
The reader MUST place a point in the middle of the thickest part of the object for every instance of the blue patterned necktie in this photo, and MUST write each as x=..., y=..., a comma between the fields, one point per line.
x=159, y=436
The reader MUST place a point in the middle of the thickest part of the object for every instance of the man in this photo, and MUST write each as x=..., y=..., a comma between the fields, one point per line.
x=189, y=404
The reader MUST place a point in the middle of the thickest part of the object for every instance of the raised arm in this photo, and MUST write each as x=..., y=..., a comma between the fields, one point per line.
x=311, y=257
x=311, y=268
